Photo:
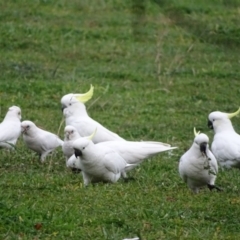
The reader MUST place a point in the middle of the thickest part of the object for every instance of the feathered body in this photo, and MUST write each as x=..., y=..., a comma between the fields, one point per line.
x=133, y=152
x=10, y=128
x=198, y=166
x=99, y=164
x=70, y=135
x=226, y=142
x=39, y=140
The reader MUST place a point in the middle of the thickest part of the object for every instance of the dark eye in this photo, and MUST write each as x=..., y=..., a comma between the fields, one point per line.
x=213, y=120
x=72, y=131
x=83, y=148
x=70, y=104
x=28, y=126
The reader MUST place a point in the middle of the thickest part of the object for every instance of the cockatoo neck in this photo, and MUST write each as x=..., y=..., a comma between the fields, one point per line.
x=75, y=136
x=223, y=126
x=90, y=151
x=196, y=148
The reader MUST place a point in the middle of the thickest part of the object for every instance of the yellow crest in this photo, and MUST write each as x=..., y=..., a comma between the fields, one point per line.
x=92, y=135
x=84, y=97
x=195, y=132
x=230, y=115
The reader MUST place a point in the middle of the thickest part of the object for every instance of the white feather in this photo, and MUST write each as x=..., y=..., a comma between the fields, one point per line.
x=98, y=163
x=196, y=168
x=76, y=115
x=226, y=142
x=70, y=135
x=38, y=140
x=132, y=152
x=10, y=127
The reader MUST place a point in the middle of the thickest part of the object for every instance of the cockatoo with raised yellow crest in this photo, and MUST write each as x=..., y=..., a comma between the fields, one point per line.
x=226, y=142
x=76, y=115
x=198, y=166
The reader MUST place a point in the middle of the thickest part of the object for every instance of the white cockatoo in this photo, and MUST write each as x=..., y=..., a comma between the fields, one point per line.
x=132, y=152
x=198, y=167
x=76, y=115
x=10, y=128
x=99, y=164
x=70, y=135
x=226, y=142
x=38, y=140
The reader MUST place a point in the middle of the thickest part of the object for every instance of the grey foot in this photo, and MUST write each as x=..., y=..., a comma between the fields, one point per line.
x=211, y=187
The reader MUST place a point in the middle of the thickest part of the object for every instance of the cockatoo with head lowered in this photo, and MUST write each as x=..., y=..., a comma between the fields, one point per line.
x=10, y=128
x=76, y=115
x=198, y=166
x=133, y=153
x=99, y=164
x=74, y=164
x=70, y=135
x=226, y=142
x=38, y=140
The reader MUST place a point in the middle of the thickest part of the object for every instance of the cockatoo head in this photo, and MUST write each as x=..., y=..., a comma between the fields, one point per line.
x=201, y=140
x=72, y=98
x=14, y=111
x=82, y=144
x=27, y=127
x=79, y=146
x=71, y=133
x=74, y=163
x=220, y=120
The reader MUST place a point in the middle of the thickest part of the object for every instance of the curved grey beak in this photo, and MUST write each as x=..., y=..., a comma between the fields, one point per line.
x=63, y=106
x=23, y=130
x=77, y=152
x=203, y=147
x=210, y=125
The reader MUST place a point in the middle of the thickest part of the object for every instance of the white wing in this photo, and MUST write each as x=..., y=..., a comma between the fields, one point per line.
x=67, y=149
x=226, y=148
x=113, y=162
x=48, y=140
x=9, y=133
x=213, y=162
x=136, y=152
x=183, y=166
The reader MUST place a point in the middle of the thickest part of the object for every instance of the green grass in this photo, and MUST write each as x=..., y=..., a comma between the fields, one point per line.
x=159, y=68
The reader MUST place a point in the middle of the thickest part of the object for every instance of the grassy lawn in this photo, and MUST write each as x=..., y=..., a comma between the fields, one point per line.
x=159, y=68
